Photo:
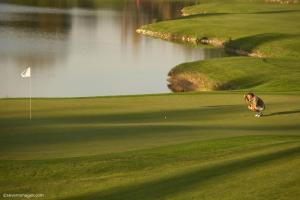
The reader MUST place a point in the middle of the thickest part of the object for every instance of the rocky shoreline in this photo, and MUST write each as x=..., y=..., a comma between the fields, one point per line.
x=185, y=82
x=196, y=41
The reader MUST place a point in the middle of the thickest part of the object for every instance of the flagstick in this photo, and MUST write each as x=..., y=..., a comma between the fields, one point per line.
x=27, y=74
x=30, y=97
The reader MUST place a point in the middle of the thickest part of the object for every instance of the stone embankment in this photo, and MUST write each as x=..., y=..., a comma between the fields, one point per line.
x=196, y=41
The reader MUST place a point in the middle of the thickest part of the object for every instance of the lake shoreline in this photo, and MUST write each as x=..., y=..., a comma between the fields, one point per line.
x=215, y=42
x=90, y=54
x=264, y=31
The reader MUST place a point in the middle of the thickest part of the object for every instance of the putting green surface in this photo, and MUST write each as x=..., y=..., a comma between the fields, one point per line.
x=187, y=146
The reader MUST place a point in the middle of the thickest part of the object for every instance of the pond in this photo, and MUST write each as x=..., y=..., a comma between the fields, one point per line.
x=88, y=47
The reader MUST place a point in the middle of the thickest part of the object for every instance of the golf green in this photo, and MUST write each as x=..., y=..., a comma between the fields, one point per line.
x=183, y=146
x=180, y=146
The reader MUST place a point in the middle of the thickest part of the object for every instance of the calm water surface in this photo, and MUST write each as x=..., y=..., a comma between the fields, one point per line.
x=88, y=48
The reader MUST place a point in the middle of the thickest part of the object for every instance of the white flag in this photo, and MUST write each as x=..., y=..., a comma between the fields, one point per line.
x=26, y=73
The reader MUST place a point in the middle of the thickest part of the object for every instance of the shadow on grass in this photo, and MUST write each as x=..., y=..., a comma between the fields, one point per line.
x=82, y=127
x=283, y=113
x=165, y=187
x=247, y=82
x=201, y=15
x=191, y=16
x=112, y=134
x=130, y=117
x=251, y=42
x=276, y=11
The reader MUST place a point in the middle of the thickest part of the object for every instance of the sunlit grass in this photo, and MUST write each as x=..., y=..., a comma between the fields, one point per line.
x=150, y=147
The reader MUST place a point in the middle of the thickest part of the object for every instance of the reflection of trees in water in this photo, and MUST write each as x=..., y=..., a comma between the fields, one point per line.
x=37, y=60
x=153, y=9
x=134, y=12
x=140, y=12
x=38, y=53
x=56, y=26
x=89, y=4
x=38, y=22
x=161, y=10
x=35, y=39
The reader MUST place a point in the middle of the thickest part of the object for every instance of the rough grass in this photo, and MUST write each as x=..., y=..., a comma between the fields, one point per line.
x=125, y=148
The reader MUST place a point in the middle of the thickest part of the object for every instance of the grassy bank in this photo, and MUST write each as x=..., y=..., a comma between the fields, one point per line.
x=242, y=73
x=255, y=28
x=151, y=147
x=270, y=30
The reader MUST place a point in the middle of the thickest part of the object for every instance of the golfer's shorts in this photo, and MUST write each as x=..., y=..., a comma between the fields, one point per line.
x=259, y=108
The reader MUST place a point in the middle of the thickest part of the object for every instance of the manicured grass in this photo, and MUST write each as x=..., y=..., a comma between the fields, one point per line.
x=273, y=34
x=241, y=6
x=269, y=30
x=180, y=146
x=125, y=148
x=243, y=73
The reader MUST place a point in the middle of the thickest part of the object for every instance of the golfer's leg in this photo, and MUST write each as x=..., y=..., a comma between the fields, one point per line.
x=259, y=110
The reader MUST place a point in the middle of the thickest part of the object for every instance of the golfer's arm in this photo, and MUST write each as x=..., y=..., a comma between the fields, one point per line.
x=246, y=99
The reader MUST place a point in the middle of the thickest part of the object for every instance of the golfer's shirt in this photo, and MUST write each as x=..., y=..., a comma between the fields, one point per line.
x=258, y=102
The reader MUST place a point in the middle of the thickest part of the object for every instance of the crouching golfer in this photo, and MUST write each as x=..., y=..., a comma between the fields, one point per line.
x=255, y=103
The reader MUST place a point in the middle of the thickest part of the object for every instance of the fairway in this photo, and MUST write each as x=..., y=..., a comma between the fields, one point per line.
x=179, y=146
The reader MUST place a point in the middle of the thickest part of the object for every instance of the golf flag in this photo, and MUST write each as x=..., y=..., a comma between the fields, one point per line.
x=26, y=73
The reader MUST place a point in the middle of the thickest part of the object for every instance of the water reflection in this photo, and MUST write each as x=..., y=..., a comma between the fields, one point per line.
x=87, y=48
